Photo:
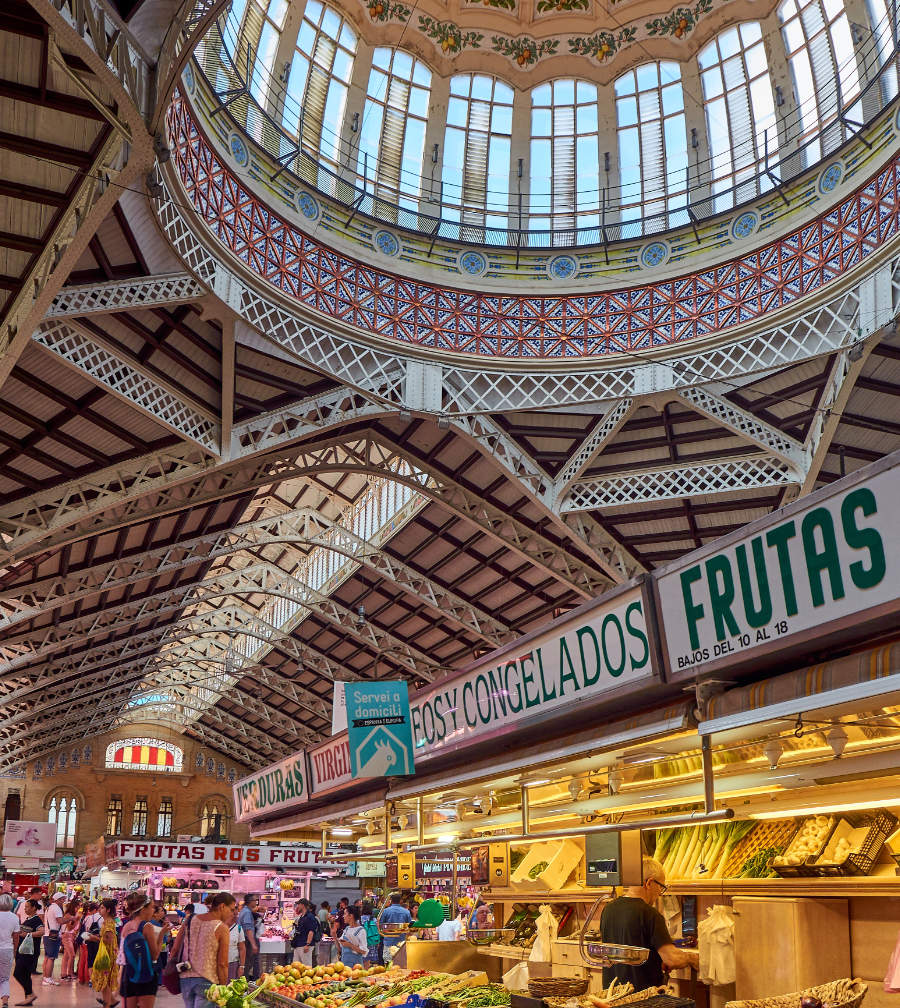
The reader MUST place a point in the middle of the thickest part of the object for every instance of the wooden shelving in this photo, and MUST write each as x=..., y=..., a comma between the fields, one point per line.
x=860, y=885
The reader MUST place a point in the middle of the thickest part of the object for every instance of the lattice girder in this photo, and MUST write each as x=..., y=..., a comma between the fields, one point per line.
x=675, y=482
x=91, y=357
x=301, y=527
x=126, y=295
x=262, y=578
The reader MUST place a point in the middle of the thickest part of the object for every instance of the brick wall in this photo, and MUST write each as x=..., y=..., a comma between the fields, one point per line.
x=79, y=771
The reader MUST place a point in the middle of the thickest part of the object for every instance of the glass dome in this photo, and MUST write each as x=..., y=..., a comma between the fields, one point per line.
x=453, y=130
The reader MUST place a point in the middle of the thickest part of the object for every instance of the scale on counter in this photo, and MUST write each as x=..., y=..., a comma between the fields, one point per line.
x=611, y=859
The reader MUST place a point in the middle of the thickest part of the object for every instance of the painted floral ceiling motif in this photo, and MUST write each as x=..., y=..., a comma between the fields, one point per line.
x=533, y=27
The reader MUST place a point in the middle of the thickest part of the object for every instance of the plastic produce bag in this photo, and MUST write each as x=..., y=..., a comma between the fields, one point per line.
x=516, y=979
x=892, y=977
x=103, y=960
x=715, y=938
x=547, y=928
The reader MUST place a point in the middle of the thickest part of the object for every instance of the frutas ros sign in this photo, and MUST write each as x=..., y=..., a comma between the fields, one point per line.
x=278, y=786
x=823, y=559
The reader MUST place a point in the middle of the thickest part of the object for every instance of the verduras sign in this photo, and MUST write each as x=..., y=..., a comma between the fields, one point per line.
x=280, y=785
x=827, y=558
x=596, y=650
x=302, y=857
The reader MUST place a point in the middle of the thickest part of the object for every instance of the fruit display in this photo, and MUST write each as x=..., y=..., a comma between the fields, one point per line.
x=339, y=986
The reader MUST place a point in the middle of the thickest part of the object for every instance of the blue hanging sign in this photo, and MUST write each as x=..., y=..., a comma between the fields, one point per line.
x=379, y=729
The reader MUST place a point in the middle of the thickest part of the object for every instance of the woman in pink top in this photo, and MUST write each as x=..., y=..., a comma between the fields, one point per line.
x=202, y=943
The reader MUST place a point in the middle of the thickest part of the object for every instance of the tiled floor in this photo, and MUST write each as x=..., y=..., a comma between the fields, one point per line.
x=73, y=995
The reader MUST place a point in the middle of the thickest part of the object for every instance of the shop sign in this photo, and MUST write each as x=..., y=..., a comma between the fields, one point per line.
x=378, y=728
x=29, y=840
x=278, y=786
x=330, y=765
x=301, y=857
x=370, y=869
x=827, y=558
x=596, y=650
x=442, y=867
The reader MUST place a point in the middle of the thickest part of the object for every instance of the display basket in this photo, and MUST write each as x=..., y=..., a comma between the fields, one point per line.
x=480, y=937
x=805, y=868
x=836, y=993
x=861, y=861
x=557, y=987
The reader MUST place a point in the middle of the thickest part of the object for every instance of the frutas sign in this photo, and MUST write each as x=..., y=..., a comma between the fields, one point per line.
x=304, y=857
x=598, y=649
x=826, y=558
x=278, y=786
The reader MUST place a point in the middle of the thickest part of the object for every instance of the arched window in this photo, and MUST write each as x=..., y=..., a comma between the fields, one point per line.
x=319, y=81
x=63, y=810
x=652, y=143
x=475, y=170
x=823, y=66
x=393, y=126
x=214, y=818
x=139, y=816
x=740, y=112
x=114, y=815
x=144, y=754
x=164, y=817
x=880, y=20
x=262, y=29
x=564, y=188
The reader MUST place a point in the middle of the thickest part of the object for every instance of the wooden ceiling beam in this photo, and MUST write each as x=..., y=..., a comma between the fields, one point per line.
x=32, y=194
x=47, y=151
x=55, y=100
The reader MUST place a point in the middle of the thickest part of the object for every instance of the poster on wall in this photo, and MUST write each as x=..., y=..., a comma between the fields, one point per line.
x=23, y=839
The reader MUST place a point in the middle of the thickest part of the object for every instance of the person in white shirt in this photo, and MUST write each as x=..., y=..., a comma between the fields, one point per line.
x=35, y=894
x=52, y=922
x=9, y=925
x=450, y=929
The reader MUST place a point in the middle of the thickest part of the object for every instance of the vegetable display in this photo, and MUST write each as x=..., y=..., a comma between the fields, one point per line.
x=699, y=851
x=236, y=994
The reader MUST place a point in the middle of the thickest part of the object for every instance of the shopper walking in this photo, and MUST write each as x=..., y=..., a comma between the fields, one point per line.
x=204, y=946
x=52, y=924
x=68, y=933
x=306, y=934
x=353, y=941
x=247, y=922
x=237, y=949
x=9, y=926
x=160, y=921
x=396, y=913
x=139, y=945
x=31, y=930
x=105, y=971
x=326, y=944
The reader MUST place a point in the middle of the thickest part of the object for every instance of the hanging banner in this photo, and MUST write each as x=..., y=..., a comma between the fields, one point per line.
x=338, y=709
x=379, y=729
x=330, y=765
x=276, y=787
x=29, y=840
x=95, y=853
x=824, y=564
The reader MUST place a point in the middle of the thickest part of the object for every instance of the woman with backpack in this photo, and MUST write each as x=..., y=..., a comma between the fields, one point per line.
x=139, y=947
x=202, y=944
x=105, y=972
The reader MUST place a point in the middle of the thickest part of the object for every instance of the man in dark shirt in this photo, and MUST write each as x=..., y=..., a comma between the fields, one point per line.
x=632, y=919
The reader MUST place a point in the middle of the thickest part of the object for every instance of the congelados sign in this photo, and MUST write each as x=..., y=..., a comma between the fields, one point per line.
x=596, y=650
x=276, y=787
x=824, y=559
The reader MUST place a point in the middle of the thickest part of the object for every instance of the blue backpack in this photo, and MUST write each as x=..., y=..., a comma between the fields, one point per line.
x=138, y=964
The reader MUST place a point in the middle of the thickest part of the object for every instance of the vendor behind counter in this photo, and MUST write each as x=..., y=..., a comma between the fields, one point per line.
x=632, y=919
